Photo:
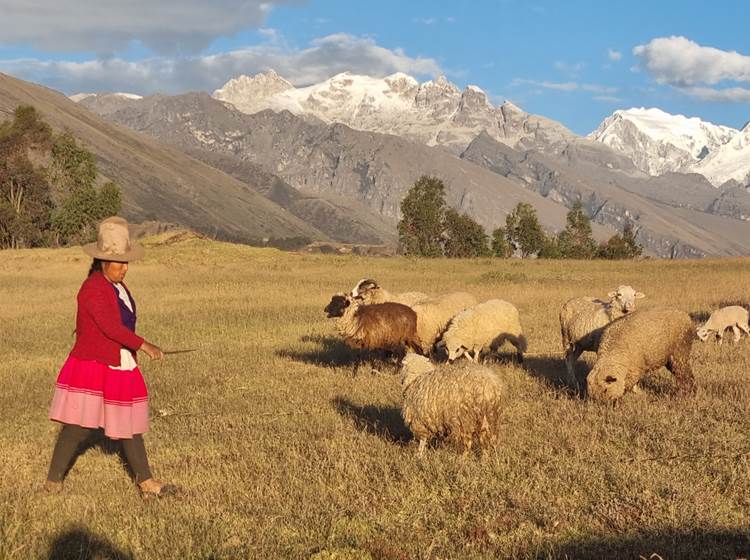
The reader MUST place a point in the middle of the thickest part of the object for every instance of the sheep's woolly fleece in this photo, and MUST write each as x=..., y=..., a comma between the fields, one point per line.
x=638, y=343
x=433, y=316
x=461, y=402
x=483, y=327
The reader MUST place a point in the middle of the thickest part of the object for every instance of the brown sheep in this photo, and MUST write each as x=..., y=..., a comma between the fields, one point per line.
x=381, y=326
x=640, y=342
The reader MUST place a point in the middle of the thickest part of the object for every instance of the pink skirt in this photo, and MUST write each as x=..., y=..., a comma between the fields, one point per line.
x=91, y=395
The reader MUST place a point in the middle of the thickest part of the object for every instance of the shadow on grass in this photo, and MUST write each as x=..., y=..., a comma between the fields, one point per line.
x=333, y=352
x=709, y=544
x=551, y=371
x=382, y=421
x=78, y=543
x=97, y=439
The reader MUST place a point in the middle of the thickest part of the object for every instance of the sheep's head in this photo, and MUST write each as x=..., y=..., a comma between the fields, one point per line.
x=703, y=333
x=337, y=305
x=623, y=298
x=605, y=383
x=412, y=366
x=364, y=286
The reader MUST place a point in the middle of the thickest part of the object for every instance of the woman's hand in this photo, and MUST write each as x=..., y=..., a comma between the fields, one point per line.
x=153, y=351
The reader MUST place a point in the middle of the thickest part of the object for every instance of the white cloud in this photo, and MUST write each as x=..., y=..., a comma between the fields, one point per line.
x=614, y=55
x=325, y=57
x=566, y=86
x=725, y=95
x=109, y=26
x=572, y=70
x=682, y=62
x=607, y=98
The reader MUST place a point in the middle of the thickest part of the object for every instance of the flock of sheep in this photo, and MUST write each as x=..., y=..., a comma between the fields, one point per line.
x=461, y=400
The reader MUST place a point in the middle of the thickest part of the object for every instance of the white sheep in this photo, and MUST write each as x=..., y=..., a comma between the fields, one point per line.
x=460, y=402
x=434, y=314
x=733, y=316
x=484, y=327
x=582, y=320
x=370, y=292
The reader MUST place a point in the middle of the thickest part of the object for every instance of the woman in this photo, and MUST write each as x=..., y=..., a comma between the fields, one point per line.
x=100, y=385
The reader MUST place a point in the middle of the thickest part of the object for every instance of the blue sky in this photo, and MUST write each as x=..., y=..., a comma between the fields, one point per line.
x=575, y=61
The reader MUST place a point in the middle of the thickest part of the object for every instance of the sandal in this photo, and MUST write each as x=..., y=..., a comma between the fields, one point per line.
x=156, y=489
x=52, y=487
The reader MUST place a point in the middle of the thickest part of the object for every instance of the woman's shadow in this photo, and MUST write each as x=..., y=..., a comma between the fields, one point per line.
x=382, y=421
x=78, y=543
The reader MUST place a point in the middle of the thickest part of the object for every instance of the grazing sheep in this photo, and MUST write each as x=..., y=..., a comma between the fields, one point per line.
x=582, y=320
x=734, y=317
x=638, y=343
x=383, y=326
x=484, y=327
x=370, y=292
x=434, y=314
x=460, y=402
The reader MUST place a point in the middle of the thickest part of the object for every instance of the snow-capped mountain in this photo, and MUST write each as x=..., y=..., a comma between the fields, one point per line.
x=730, y=161
x=658, y=142
x=435, y=112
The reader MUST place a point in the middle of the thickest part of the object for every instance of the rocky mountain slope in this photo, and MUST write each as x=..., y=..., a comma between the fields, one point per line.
x=673, y=214
x=657, y=143
x=435, y=112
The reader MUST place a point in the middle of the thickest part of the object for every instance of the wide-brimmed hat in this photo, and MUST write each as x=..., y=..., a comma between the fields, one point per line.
x=113, y=242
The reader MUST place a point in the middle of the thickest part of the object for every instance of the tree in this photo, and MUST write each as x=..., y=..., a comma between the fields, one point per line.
x=621, y=246
x=25, y=202
x=551, y=248
x=464, y=237
x=576, y=240
x=500, y=246
x=423, y=216
x=523, y=231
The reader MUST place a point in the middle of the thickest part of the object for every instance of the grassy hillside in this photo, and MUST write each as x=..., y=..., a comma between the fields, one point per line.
x=284, y=453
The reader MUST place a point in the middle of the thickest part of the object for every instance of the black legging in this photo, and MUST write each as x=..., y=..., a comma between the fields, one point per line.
x=72, y=436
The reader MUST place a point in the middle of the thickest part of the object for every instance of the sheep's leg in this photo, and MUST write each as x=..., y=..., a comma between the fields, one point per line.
x=571, y=356
x=745, y=327
x=736, y=333
x=679, y=365
x=422, y=446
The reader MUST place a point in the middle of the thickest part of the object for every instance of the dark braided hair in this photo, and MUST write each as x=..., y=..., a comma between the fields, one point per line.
x=96, y=266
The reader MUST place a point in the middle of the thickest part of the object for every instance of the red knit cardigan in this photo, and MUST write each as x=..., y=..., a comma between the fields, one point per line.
x=99, y=330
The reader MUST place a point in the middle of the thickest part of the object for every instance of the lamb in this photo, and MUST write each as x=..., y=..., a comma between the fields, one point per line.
x=460, y=402
x=370, y=292
x=484, y=327
x=383, y=326
x=638, y=343
x=434, y=314
x=583, y=319
x=720, y=320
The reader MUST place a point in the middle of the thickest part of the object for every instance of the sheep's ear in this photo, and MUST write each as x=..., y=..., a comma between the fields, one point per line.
x=611, y=294
x=640, y=295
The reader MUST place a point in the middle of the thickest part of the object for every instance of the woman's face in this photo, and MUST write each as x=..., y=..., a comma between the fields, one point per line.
x=114, y=271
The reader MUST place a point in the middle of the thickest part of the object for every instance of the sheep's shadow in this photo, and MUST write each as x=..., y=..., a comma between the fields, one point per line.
x=551, y=371
x=382, y=421
x=333, y=352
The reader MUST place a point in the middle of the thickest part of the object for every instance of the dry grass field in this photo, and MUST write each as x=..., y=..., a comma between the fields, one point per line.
x=283, y=452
